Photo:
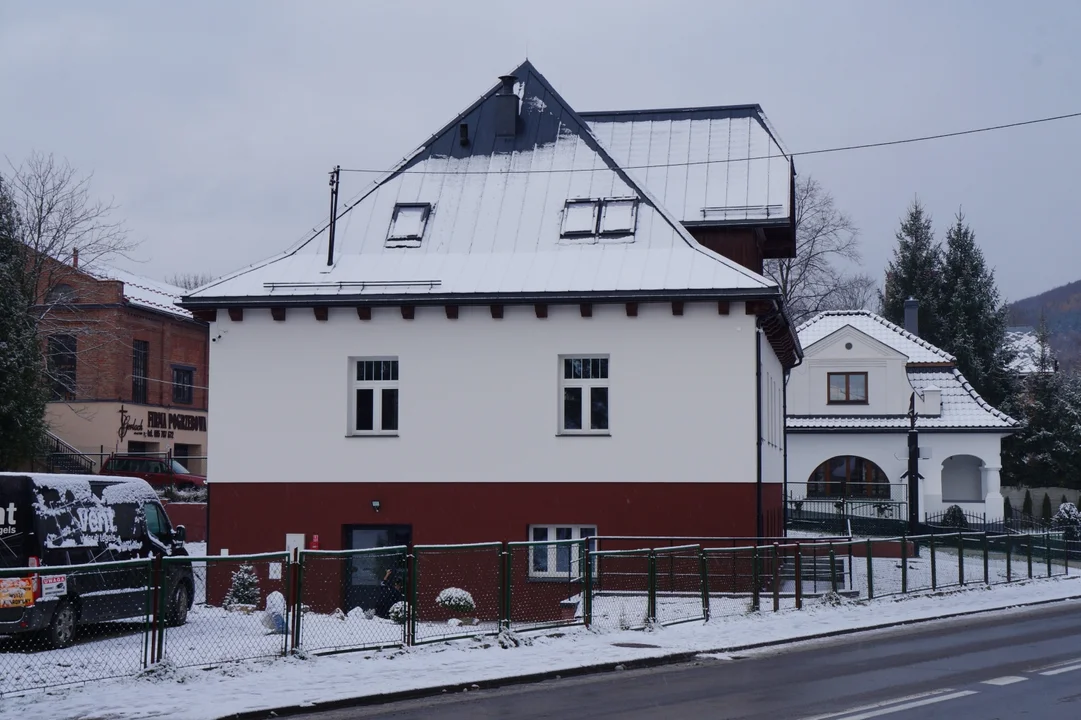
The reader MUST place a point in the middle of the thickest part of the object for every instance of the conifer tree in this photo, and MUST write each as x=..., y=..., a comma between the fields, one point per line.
x=245, y=587
x=1026, y=506
x=915, y=271
x=973, y=318
x=22, y=387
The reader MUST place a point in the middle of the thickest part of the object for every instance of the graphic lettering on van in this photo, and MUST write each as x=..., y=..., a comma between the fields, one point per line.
x=7, y=520
x=97, y=520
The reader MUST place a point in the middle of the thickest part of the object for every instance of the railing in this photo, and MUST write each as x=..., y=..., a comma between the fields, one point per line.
x=327, y=601
x=62, y=456
x=868, y=507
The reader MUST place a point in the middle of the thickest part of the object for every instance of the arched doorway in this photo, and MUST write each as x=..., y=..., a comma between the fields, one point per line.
x=962, y=479
x=848, y=476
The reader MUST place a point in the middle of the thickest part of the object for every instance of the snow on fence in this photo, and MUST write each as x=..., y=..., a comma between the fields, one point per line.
x=268, y=605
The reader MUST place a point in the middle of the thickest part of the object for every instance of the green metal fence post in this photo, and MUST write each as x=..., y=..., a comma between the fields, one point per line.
x=904, y=564
x=587, y=597
x=1047, y=548
x=776, y=578
x=870, y=570
x=703, y=581
x=298, y=597
x=148, y=622
x=1029, y=551
x=833, y=569
x=1009, y=559
x=414, y=571
x=934, y=570
x=162, y=612
x=960, y=557
x=507, y=566
x=851, y=569
x=651, y=603
x=799, y=577
x=1065, y=555
x=755, y=589
x=986, y=561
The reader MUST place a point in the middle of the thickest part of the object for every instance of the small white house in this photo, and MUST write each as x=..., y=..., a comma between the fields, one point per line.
x=513, y=336
x=848, y=423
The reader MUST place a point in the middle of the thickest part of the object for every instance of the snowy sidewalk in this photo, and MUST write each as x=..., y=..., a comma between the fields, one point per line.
x=250, y=686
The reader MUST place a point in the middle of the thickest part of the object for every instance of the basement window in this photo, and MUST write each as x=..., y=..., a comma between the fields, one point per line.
x=618, y=216
x=555, y=551
x=408, y=223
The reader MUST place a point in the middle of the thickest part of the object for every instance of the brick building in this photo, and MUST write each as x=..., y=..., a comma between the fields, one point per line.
x=128, y=367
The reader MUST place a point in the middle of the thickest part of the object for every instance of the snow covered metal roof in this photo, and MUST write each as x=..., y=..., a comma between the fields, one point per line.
x=494, y=221
x=709, y=165
x=1026, y=345
x=141, y=291
x=962, y=409
x=916, y=349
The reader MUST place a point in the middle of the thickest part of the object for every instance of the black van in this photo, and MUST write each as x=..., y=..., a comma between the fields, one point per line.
x=49, y=520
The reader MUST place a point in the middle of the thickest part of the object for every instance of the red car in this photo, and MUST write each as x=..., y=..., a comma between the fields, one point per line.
x=160, y=472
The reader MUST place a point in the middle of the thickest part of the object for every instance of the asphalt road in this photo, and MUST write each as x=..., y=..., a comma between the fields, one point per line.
x=1021, y=664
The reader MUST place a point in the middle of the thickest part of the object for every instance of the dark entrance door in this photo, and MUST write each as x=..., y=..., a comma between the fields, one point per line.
x=363, y=574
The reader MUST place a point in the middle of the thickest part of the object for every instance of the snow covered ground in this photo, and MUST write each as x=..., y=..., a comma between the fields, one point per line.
x=167, y=691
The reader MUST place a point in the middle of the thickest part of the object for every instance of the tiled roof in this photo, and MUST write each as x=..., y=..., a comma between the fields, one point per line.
x=962, y=409
x=709, y=165
x=495, y=225
x=1025, y=343
x=914, y=348
x=143, y=292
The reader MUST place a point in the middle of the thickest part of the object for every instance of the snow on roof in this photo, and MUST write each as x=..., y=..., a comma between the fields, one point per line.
x=962, y=409
x=726, y=164
x=141, y=291
x=1026, y=346
x=916, y=349
x=495, y=221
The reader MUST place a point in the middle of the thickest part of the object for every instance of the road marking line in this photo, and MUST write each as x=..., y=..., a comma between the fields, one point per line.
x=910, y=705
x=1007, y=680
x=881, y=704
x=1059, y=671
x=1053, y=666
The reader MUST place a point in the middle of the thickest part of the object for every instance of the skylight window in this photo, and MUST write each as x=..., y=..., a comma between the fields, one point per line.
x=617, y=216
x=408, y=223
x=580, y=217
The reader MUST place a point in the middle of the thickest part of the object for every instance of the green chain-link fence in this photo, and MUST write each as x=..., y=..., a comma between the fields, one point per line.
x=204, y=611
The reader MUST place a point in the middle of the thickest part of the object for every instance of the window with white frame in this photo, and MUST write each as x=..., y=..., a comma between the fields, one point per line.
x=580, y=217
x=373, y=396
x=561, y=558
x=583, y=402
x=618, y=216
x=587, y=217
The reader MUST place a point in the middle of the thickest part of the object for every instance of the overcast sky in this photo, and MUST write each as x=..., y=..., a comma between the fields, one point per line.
x=213, y=124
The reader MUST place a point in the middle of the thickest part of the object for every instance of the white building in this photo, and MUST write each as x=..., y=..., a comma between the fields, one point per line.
x=848, y=423
x=513, y=336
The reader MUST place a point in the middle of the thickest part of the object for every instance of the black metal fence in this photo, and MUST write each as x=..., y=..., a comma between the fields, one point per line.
x=125, y=617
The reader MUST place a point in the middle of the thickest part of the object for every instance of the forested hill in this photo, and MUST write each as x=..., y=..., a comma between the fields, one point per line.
x=1062, y=308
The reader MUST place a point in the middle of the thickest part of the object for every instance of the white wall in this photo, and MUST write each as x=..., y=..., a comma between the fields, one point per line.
x=890, y=452
x=773, y=435
x=888, y=389
x=479, y=397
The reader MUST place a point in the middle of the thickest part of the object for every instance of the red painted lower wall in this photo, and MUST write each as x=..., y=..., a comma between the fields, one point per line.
x=255, y=517
x=193, y=516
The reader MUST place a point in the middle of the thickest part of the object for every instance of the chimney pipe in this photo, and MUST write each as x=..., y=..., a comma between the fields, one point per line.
x=75, y=258
x=506, y=108
x=912, y=316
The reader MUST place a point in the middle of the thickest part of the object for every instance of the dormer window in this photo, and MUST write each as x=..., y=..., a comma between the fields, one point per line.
x=580, y=217
x=408, y=223
x=847, y=388
x=589, y=218
x=617, y=216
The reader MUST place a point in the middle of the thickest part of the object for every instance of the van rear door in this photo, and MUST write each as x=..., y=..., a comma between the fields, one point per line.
x=16, y=546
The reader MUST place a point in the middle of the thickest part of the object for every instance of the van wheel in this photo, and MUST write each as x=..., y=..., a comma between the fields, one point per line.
x=61, y=630
x=178, y=609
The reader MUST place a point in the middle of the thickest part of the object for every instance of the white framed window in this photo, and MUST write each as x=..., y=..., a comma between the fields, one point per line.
x=580, y=217
x=562, y=558
x=373, y=396
x=618, y=216
x=408, y=223
x=583, y=395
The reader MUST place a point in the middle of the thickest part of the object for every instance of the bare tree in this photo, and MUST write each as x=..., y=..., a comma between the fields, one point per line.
x=811, y=282
x=63, y=227
x=190, y=281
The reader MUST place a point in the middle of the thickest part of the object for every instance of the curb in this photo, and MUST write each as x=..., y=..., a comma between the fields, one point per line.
x=638, y=664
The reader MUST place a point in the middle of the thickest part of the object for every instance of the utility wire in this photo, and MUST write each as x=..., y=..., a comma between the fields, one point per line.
x=821, y=151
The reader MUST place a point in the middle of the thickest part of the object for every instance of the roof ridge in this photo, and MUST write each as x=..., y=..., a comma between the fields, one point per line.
x=882, y=321
x=967, y=387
